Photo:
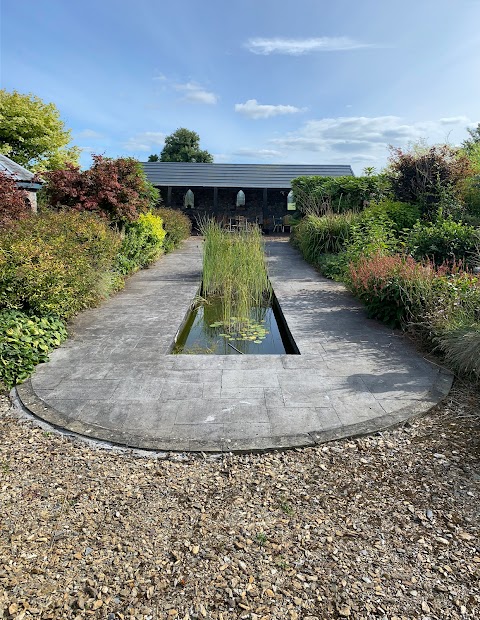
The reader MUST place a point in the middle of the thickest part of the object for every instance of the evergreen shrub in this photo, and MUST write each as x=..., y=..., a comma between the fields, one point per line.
x=444, y=241
x=57, y=263
x=177, y=227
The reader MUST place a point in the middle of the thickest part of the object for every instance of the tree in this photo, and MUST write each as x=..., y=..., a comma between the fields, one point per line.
x=33, y=134
x=474, y=139
x=116, y=189
x=153, y=158
x=184, y=145
x=13, y=201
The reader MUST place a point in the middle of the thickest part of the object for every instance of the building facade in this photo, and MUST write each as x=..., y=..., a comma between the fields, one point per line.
x=259, y=192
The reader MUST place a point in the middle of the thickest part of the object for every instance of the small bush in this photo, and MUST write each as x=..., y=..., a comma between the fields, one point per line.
x=177, y=227
x=333, y=266
x=394, y=288
x=316, y=235
x=142, y=244
x=461, y=347
x=402, y=215
x=25, y=342
x=57, y=263
x=371, y=235
x=444, y=241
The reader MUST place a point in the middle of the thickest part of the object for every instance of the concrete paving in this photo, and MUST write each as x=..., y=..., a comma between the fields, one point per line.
x=115, y=379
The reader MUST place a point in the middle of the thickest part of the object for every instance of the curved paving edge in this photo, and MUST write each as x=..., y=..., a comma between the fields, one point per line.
x=115, y=381
x=40, y=409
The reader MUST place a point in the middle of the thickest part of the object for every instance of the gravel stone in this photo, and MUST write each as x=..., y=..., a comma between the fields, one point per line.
x=384, y=526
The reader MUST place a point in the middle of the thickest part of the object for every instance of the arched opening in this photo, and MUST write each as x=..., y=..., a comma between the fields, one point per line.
x=291, y=206
x=189, y=200
x=240, y=199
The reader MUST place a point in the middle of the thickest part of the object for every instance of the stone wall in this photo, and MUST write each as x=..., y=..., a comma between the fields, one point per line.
x=226, y=203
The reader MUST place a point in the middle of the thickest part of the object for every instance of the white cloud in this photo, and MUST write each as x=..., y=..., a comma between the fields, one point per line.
x=360, y=139
x=160, y=77
x=455, y=120
x=89, y=133
x=145, y=141
x=194, y=93
x=297, y=47
x=255, y=110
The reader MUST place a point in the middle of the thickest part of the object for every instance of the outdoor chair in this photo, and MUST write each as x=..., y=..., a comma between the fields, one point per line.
x=278, y=224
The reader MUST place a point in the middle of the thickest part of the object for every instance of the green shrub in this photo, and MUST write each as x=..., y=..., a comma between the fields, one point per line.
x=339, y=194
x=142, y=243
x=316, y=235
x=444, y=241
x=402, y=215
x=177, y=227
x=25, y=342
x=371, y=235
x=333, y=266
x=57, y=263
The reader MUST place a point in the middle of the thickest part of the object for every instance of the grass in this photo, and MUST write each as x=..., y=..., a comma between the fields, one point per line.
x=234, y=268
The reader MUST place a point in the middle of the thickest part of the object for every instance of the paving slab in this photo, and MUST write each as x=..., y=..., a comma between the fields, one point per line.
x=115, y=379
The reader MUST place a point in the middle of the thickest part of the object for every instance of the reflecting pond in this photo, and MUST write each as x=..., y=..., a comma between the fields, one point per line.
x=262, y=332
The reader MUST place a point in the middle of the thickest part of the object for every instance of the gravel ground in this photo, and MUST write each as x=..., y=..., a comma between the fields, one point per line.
x=379, y=527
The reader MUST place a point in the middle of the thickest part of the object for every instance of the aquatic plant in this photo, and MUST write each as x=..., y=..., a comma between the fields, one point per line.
x=234, y=268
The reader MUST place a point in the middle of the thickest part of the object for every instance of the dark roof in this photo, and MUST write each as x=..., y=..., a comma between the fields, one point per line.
x=179, y=174
x=22, y=176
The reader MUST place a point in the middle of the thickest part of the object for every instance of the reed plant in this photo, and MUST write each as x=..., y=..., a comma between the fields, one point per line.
x=316, y=235
x=234, y=268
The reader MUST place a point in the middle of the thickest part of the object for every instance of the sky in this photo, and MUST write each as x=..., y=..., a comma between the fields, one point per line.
x=261, y=81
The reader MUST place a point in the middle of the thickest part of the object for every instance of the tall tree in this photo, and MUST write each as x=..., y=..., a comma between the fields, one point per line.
x=33, y=134
x=184, y=145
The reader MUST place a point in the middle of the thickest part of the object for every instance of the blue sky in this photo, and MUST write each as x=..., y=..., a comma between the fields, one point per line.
x=271, y=81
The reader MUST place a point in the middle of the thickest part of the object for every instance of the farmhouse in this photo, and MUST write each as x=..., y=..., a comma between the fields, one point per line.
x=256, y=192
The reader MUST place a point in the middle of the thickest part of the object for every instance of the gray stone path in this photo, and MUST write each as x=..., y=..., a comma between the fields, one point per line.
x=115, y=380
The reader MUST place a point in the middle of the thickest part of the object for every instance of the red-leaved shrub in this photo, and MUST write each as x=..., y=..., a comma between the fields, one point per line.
x=393, y=288
x=116, y=189
x=13, y=201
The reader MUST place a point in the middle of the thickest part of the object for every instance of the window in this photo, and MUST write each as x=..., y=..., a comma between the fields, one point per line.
x=291, y=206
x=189, y=200
x=240, y=199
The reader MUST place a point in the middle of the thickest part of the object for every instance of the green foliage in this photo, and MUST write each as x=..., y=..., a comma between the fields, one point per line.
x=141, y=245
x=177, y=226
x=184, y=145
x=234, y=268
x=430, y=177
x=339, y=194
x=315, y=235
x=333, y=266
x=444, y=241
x=402, y=215
x=56, y=263
x=373, y=234
x=471, y=197
x=25, y=342
x=33, y=134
